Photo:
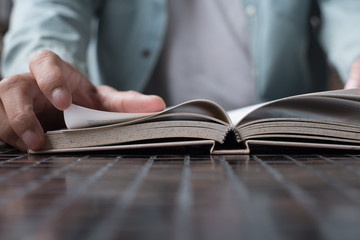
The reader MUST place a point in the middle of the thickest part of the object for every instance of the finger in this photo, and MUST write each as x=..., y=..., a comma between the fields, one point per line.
x=129, y=101
x=47, y=69
x=354, y=77
x=7, y=134
x=17, y=94
x=61, y=82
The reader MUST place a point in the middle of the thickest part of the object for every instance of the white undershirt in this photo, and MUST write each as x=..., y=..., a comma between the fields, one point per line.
x=205, y=55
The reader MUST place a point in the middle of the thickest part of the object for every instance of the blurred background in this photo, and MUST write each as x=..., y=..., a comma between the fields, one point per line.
x=5, y=7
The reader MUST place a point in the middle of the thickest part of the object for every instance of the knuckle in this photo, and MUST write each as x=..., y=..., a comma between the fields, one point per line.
x=6, y=83
x=49, y=79
x=9, y=83
x=46, y=67
x=132, y=93
x=43, y=55
x=7, y=135
x=19, y=119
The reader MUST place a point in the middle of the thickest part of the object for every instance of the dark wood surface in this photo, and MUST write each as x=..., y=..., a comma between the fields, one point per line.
x=114, y=196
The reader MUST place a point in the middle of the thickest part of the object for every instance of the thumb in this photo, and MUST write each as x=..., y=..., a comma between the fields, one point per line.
x=128, y=101
x=354, y=77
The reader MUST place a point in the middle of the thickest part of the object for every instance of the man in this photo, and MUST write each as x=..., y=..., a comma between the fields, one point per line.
x=262, y=54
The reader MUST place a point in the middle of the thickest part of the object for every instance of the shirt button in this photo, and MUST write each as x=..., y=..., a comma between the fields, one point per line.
x=250, y=10
x=146, y=53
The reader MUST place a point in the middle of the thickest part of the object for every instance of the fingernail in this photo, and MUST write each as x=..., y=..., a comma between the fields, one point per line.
x=30, y=138
x=60, y=98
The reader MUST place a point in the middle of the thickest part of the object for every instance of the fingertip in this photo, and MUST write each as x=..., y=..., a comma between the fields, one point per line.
x=157, y=103
x=148, y=103
x=61, y=98
x=32, y=139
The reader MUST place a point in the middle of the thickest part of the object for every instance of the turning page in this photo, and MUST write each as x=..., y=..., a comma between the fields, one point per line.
x=80, y=117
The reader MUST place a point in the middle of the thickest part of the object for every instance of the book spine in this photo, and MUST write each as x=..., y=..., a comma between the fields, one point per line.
x=228, y=131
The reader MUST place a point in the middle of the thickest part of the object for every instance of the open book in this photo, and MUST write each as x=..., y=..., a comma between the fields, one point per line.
x=319, y=120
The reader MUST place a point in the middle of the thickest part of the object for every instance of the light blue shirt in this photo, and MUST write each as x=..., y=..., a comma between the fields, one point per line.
x=205, y=55
x=131, y=33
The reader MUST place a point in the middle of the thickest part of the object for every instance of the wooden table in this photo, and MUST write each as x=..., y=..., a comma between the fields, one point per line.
x=187, y=196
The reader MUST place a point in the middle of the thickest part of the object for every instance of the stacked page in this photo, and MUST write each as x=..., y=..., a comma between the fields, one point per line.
x=328, y=119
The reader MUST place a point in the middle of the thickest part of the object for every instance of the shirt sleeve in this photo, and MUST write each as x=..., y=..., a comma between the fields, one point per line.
x=60, y=26
x=340, y=33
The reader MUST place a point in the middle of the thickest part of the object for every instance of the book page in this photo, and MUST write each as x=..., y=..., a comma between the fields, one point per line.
x=237, y=115
x=350, y=94
x=340, y=106
x=81, y=117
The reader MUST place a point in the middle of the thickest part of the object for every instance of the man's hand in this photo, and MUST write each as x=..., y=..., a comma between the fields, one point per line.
x=354, y=77
x=32, y=102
